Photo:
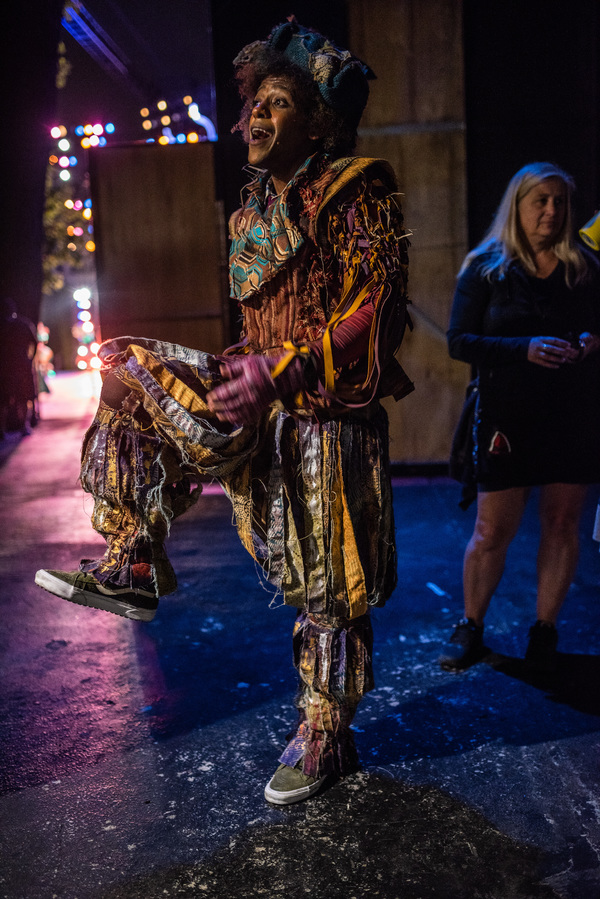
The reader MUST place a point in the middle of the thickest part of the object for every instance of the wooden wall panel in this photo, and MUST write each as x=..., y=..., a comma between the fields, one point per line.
x=160, y=244
x=415, y=49
x=415, y=120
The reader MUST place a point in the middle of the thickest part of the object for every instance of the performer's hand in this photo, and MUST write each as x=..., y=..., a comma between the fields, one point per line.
x=551, y=352
x=248, y=387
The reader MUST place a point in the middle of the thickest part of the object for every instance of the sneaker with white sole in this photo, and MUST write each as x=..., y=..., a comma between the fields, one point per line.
x=83, y=589
x=290, y=785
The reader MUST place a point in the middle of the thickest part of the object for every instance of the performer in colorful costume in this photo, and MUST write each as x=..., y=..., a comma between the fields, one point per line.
x=288, y=420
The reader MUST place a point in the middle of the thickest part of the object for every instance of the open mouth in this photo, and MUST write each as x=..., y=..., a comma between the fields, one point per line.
x=258, y=134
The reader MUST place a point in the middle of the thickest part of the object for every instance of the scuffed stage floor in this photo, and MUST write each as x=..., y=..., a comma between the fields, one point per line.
x=134, y=756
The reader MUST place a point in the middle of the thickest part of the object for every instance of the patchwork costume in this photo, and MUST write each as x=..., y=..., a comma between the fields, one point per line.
x=309, y=483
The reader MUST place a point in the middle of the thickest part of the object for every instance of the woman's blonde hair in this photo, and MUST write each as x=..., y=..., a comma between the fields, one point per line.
x=505, y=241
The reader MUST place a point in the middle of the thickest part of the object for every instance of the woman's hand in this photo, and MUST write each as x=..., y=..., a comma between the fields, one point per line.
x=588, y=343
x=551, y=352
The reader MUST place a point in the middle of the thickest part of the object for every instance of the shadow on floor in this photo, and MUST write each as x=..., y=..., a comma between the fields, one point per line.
x=576, y=683
x=398, y=842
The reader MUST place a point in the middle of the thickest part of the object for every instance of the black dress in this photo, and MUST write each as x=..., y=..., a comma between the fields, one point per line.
x=534, y=425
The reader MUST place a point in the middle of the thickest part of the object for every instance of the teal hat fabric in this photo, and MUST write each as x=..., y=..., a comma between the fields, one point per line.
x=342, y=79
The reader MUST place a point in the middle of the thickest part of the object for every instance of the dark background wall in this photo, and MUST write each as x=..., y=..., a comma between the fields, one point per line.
x=28, y=41
x=532, y=92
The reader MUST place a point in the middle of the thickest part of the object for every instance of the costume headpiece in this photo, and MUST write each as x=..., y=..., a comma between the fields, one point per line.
x=342, y=79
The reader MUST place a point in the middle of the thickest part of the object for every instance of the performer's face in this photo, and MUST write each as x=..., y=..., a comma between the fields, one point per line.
x=280, y=139
x=542, y=212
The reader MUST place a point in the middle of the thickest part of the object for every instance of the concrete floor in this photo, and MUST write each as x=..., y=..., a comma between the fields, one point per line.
x=133, y=756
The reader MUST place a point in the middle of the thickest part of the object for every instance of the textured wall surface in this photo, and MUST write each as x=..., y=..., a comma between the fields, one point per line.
x=164, y=279
x=415, y=120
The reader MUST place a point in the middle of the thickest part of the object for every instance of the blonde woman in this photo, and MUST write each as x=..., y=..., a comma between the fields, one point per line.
x=526, y=316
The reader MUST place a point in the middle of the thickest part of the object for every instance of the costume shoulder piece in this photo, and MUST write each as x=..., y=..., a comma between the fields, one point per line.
x=348, y=172
x=360, y=218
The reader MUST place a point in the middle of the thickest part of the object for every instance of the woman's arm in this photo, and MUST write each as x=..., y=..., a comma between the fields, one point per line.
x=466, y=338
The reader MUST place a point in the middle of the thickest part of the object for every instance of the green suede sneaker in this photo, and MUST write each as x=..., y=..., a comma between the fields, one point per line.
x=290, y=785
x=85, y=590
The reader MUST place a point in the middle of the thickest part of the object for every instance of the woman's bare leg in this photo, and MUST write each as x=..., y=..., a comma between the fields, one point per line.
x=499, y=515
x=560, y=512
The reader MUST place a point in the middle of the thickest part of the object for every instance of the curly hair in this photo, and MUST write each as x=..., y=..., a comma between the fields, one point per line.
x=339, y=136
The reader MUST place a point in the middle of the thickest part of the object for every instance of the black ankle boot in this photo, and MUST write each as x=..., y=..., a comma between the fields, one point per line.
x=541, y=650
x=465, y=646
